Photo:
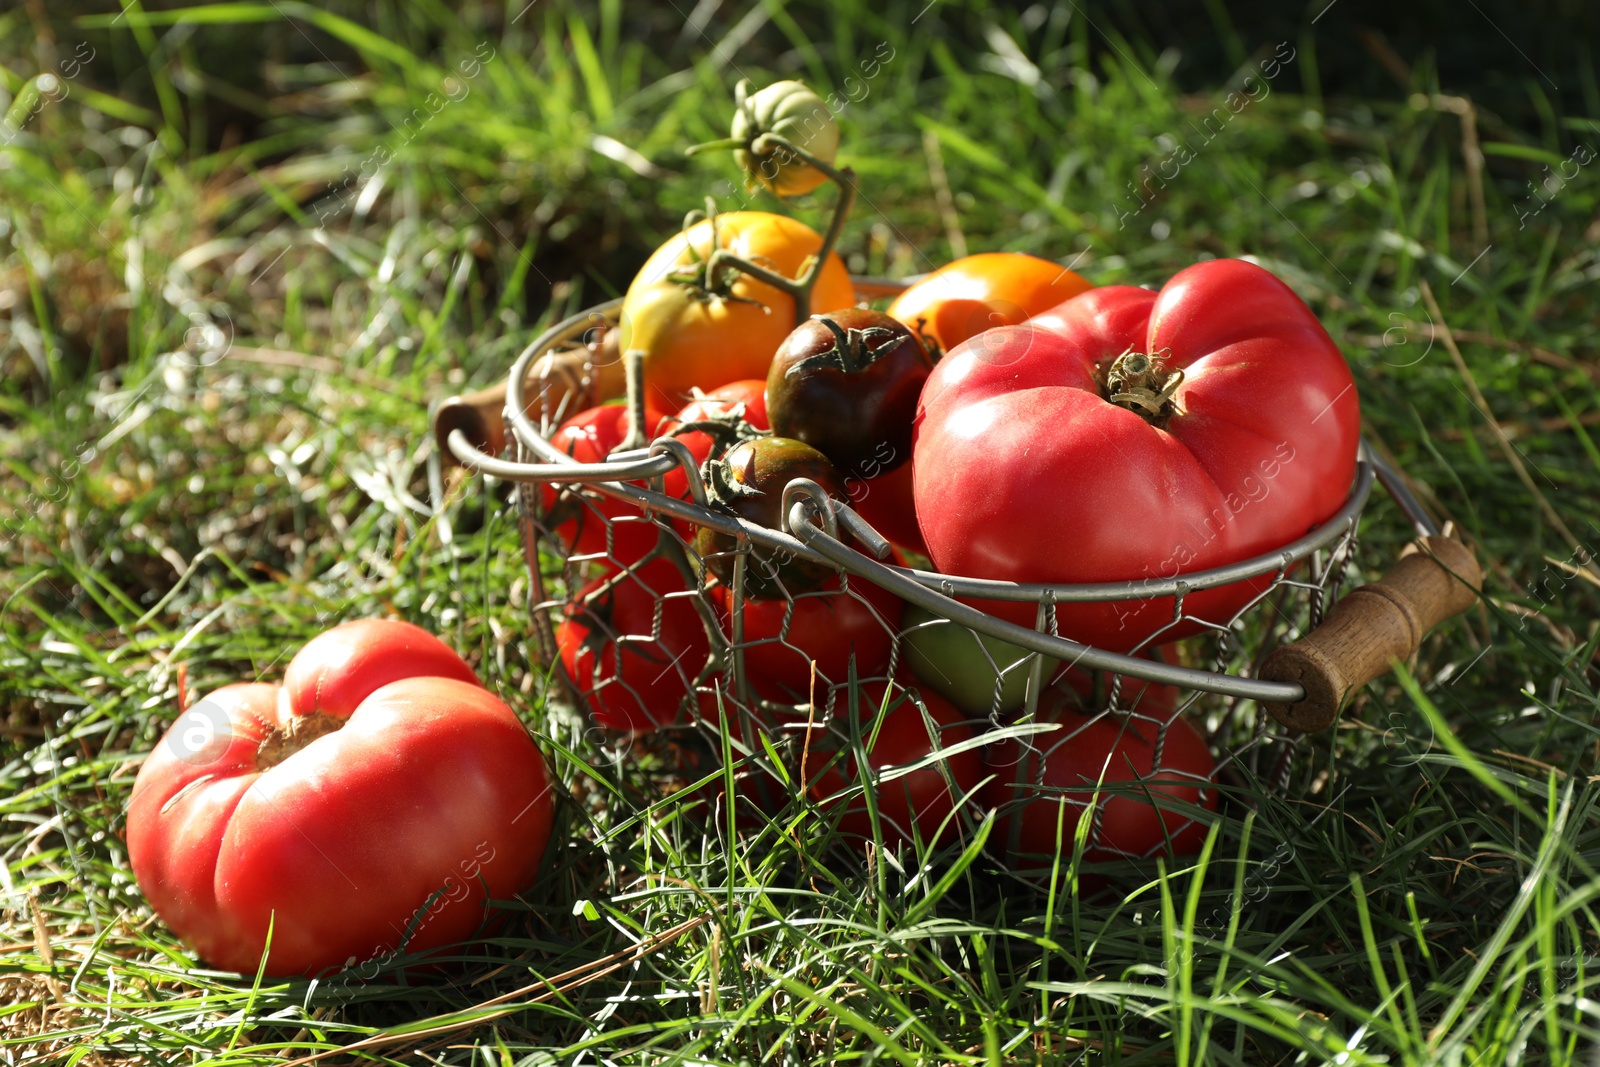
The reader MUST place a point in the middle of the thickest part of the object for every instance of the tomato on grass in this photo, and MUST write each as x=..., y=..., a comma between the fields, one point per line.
x=373, y=803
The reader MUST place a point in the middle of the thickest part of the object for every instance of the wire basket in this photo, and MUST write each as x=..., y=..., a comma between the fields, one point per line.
x=752, y=664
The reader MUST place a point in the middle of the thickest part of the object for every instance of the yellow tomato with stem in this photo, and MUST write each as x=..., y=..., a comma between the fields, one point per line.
x=698, y=331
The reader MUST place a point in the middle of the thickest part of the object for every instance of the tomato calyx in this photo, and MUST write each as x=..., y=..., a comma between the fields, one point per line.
x=281, y=742
x=1141, y=382
x=853, y=349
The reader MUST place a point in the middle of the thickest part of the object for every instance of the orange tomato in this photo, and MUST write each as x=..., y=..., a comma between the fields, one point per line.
x=699, y=336
x=963, y=298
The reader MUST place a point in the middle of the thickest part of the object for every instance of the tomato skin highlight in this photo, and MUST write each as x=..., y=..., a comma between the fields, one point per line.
x=1024, y=471
x=698, y=338
x=418, y=805
x=972, y=294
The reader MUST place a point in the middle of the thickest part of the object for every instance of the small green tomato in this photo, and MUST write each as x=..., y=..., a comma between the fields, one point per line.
x=787, y=109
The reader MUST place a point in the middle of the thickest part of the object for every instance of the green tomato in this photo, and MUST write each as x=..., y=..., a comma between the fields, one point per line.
x=965, y=667
x=789, y=110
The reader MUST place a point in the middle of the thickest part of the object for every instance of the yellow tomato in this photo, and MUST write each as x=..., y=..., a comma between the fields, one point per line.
x=962, y=299
x=703, y=336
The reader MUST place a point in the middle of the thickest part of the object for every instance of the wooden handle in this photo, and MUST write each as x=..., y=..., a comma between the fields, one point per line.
x=560, y=383
x=1437, y=577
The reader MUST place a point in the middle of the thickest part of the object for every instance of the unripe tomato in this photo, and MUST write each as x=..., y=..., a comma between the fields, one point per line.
x=962, y=299
x=798, y=115
x=748, y=482
x=977, y=673
x=915, y=805
x=713, y=330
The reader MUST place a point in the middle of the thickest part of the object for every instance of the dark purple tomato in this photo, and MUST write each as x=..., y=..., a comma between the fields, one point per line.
x=846, y=383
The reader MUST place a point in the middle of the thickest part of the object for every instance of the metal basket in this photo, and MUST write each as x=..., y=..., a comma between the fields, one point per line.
x=1217, y=674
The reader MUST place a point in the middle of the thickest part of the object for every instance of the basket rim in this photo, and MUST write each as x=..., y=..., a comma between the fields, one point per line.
x=553, y=465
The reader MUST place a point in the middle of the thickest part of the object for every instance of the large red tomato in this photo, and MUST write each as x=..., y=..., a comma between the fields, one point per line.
x=590, y=524
x=1043, y=784
x=373, y=803
x=632, y=643
x=1070, y=450
x=783, y=638
x=911, y=805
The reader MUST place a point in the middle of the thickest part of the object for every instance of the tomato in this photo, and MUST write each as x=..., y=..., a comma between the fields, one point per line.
x=792, y=111
x=962, y=299
x=374, y=803
x=710, y=330
x=966, y=667
x=632, y=666
x=1048, y=453
x=1049, y=780
x=725, y=416
x=783, y=638
x=888, y=502
x=915, y=805
x=588, y=524
x=846, y=383
x=748, y=482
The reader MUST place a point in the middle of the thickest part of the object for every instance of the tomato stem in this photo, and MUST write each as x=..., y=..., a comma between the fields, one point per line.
x=281, y=742
x=799, y=289
x=1141, y=382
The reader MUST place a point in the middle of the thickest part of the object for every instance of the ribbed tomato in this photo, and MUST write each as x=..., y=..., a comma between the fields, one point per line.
x=371, y=805
x=1131, y=435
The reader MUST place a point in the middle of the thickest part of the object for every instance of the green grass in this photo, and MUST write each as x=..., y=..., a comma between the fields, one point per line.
x=1424, y=893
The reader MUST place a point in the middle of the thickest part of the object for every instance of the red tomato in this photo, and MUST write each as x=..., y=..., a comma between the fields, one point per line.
x=974, y=293
x=1050, y=779
x=889, y=504
x=380, y=796
x=632, y=644
x=745, y=399
x=784, y=637
x=914, y=805
x=581, y=521
x=1041, y=456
